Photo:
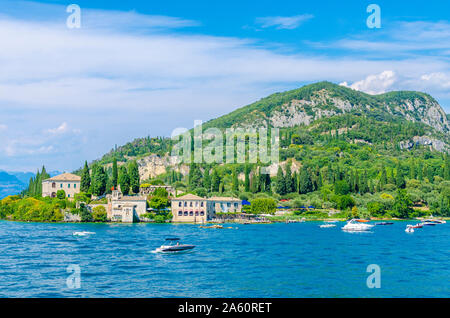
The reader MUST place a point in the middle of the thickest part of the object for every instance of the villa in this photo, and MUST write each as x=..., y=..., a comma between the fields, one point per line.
x=126, y=209
x=194, y=209
x=68, y=182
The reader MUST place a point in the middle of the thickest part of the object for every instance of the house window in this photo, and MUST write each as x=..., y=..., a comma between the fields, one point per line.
x=191, y=204
x=228, y=204
x=60, y=185
x=53, y=185
x=179, y=203
x=185, y=203
x=191, y=213
x=75, y=186
x=201, y=204
x=68, y=195
x=180, y=213
x=196, y=213
x=68, y=185
x=202, y=213
x=235, y=205
x=185, y=213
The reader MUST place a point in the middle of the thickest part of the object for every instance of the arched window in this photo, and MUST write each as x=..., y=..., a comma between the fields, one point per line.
x=185, y=213
x=191, y=213
x=202, y=213
x=180, y=213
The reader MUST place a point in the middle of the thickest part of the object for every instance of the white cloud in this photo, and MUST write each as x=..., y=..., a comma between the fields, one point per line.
x=438, y=79
x=374, y=84
x=287, y=23
x=60, y=130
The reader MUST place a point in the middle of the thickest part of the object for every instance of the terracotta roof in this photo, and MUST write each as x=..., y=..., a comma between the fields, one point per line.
x=223, y=199
x=132, y=198
x=65, y=177
x=189, y=197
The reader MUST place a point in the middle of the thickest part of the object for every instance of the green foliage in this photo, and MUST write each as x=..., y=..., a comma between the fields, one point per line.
x=85, y=178
x=263, y=206
x=99, y=214
x=124, y=180
x=99, y=178
x=133, y=172
x=61, y=194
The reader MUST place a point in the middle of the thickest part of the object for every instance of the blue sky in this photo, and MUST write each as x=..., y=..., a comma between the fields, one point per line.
x=138, y=68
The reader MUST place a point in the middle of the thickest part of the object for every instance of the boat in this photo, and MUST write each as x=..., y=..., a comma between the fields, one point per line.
x=215, y=226
x=434, y=222
x=409, y=229
x=355, y=226
x=324, y=226
x=173, y=245
x=428, y=223
x=416, y=226
x=384, y=223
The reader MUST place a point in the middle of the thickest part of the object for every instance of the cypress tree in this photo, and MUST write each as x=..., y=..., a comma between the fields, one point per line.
x=115, y=174
x=207, y=180
x=400, y=179
x=289, y=182
x=124, y=180
x=235, y=180
x=247, y=178
x=85, y=178
x=281, y=182
x=215, y=181
x=305, y=184
x=133, y=173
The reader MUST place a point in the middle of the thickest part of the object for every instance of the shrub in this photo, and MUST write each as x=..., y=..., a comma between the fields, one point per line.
x=263, y=205
x=61, y=194
x=99, y=214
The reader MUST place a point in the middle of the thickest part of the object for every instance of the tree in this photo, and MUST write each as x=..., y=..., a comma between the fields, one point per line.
x=195, y=176
x=341, y=187
x=115, y=174
x=263, y=206
x=124, y=180
x=85, y=215
x=400, y=179
x=235, y=180
x=160, y=192
x=247, y=178
x=99, y=179
x=133, y=173
x=207, y=180
x=304, y=184
x=402, y=204
x=99, y=214
x=280, y=187
x=61, y=194
x=215, y=181
x=383, y=178
x=289, y=182
x=85, y=178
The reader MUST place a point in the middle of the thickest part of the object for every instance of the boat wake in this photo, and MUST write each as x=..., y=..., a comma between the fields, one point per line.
x=82, y=233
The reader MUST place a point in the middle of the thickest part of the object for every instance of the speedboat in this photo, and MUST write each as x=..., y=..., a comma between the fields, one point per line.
x=434, y=222
x=384, y=223
x=409, y=229
x=173, y=245
x=428, y=223
x=416, y=226
x=355, y=226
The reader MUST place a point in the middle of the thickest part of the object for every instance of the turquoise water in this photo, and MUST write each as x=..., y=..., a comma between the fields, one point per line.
x=272, y=260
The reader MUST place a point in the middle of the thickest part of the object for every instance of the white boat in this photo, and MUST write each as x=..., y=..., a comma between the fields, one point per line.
x=174, y=246
x=409, y=229
x=324, y=226
x=355, y=226
x=82, y=233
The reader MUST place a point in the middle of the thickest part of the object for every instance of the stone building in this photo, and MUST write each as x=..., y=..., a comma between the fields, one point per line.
x=68, y=182
x=224, y=205
x=126, y=209
x=194, y=209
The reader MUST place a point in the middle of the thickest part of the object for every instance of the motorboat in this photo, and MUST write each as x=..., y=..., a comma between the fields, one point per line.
x=409, y=229
x=428, y=223
x=355, y=226
x=324, y=226
x=416, y=226
x=173, y=245
x=384, y=223
x=434, y=221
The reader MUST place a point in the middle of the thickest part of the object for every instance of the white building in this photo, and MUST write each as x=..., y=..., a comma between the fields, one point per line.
x=126, y=209
x=68, y=182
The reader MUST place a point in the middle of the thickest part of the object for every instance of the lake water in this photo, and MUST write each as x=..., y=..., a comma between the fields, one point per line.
x=271, y=260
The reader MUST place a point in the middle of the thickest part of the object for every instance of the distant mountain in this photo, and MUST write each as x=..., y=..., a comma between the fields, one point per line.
x=309, y=103
x=13, y=182
x=10, y=184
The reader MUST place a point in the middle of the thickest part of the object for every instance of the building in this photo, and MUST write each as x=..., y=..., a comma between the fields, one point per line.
x=68, y=182
x=194, y=209
x=224, y=205
x=189, y=208
x=127, y=209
